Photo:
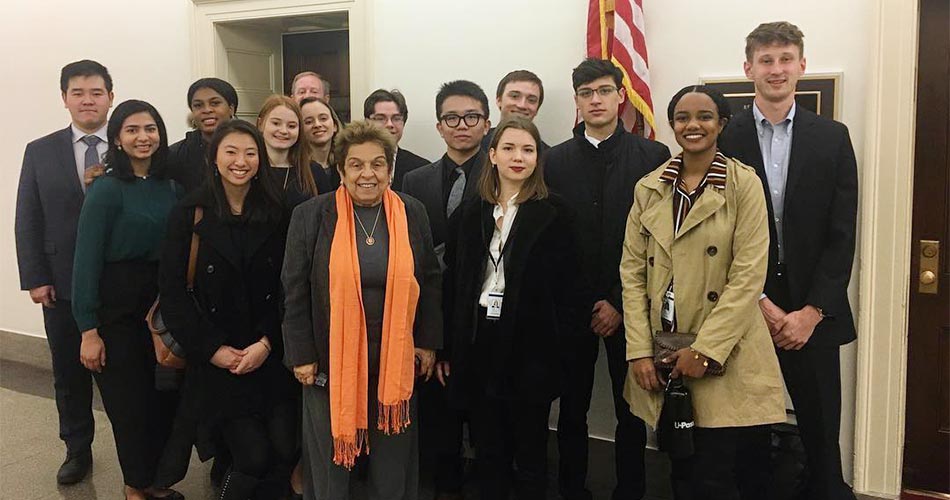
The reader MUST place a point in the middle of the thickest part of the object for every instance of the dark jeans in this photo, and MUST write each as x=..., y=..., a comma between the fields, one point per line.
x=140, y=415
x=507, y=432
x=72, y=382
x=630, y=435
x=730, y=463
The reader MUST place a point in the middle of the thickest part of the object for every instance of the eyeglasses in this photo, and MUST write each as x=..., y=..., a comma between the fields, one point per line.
x=453, y=120
x=382, y=119
x=604, y=91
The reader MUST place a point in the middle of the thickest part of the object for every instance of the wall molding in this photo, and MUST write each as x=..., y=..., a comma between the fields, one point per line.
x=886, y=207
x=208, y=50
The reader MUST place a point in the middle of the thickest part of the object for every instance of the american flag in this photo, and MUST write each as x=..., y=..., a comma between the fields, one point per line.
x=615, y=31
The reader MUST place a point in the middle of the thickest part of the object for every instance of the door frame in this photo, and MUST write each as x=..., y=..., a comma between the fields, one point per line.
x=208, y=53
x=885, y=237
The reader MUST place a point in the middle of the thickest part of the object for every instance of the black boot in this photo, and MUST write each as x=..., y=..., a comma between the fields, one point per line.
x=238, y=486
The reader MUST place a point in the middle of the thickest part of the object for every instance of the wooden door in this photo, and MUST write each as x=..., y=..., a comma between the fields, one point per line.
x=926, y=443
x=252, y=63
x=326, y=53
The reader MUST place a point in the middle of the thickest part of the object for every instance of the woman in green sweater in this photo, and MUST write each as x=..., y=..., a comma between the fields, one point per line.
x=121, y=228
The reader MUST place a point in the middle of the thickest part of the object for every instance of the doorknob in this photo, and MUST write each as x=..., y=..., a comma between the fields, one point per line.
x=929, y=266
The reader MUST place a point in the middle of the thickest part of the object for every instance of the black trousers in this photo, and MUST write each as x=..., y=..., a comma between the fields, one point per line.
x=730, y=463
x=72, y=382
x=140, y=415
x=440, y=437
x=265, y=448
x=511, y=432
x=813, y=378
x=630, y=435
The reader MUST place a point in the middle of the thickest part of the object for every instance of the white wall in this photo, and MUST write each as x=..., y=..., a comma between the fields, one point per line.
x=416, y=46
x=144, y=44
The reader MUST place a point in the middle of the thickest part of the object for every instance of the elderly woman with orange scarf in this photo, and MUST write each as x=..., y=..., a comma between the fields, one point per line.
x=363, y=319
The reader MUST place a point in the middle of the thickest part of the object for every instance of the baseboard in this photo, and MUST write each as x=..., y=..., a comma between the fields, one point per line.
x=26, y=349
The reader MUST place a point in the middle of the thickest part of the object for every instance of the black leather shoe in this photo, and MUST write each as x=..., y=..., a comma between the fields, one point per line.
x=75, y=468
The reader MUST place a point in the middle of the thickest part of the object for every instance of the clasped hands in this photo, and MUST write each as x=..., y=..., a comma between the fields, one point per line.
x=790, y=331
x=242, y=361
x=425, y=358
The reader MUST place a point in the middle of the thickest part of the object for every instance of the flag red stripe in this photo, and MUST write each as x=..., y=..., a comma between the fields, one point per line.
x=641, y=87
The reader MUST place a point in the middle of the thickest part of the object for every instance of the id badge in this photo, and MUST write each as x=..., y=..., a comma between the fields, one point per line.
x=666, y=313
x=494, y=305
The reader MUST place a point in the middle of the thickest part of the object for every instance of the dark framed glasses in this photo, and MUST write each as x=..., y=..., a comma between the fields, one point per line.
x=470, y=119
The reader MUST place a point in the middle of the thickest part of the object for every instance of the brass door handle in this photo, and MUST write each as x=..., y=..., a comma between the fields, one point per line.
x=929, y=266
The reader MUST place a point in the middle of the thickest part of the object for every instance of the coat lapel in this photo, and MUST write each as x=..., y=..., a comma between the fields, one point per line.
x=801, y=138
x=214, y=232
x=707, y=204
x=67, y=159
x=658, y=219
x=531, y=221
x=471, y=182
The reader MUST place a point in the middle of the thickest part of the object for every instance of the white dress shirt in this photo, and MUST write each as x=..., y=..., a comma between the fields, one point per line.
x=79, y=149
x=495, y=276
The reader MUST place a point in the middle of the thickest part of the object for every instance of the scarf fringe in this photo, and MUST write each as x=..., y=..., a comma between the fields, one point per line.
x=347, y=448
x=393, y=419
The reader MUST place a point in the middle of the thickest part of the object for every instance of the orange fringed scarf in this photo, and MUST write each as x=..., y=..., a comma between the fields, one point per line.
x=349, y=363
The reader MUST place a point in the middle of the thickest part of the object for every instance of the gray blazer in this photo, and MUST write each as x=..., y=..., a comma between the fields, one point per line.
x=306, y=281
x=49, y=199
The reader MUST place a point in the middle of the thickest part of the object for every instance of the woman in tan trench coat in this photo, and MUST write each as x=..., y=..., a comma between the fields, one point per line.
x=697, y=238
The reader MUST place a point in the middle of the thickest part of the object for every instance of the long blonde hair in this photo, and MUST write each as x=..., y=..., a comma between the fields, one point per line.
x=299, y=153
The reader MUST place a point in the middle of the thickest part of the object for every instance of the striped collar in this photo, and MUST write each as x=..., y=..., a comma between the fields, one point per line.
x=715, y=174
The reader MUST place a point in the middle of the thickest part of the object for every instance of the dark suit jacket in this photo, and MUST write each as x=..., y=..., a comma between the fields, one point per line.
x=546, y=298
x=306, y=281
x=425, y=185
x=49, y=199
x=821, y=200
x=406, y=161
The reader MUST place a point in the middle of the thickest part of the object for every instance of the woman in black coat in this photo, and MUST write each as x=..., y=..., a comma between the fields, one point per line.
x=229, y=323
x=516, y=289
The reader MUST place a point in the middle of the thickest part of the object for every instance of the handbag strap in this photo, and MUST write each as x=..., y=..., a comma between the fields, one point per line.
x=193, y=254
